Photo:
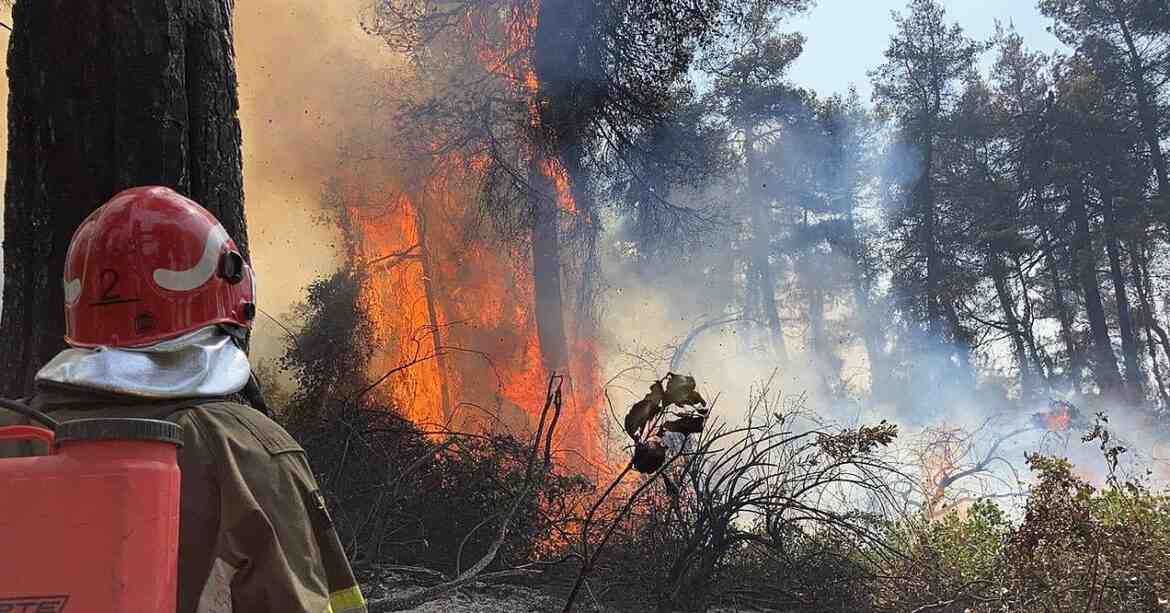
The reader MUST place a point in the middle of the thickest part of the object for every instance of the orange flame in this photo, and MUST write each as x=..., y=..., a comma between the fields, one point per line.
x=939, y=460
x=1058, y=420
x=456, y=320
x=555, y=171
x=453, y=310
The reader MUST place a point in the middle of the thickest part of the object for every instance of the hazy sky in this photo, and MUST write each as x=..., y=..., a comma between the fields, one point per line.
x=846, y=38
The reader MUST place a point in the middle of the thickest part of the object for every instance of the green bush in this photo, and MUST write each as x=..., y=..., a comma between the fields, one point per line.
x=1075, y=549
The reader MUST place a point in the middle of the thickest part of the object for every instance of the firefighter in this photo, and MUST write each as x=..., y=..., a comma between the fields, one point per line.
x=157, y=302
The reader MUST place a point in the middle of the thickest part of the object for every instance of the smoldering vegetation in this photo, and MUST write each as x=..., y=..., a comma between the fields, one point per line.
x=934, y=322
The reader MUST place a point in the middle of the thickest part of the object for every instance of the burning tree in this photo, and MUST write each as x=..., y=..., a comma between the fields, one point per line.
x=518, y=113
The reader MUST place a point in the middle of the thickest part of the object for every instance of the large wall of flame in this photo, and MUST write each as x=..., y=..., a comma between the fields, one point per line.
x=309, y=79
x=435, y=269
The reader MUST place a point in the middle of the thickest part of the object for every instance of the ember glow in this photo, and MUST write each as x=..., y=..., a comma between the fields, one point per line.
x=1058, y=418
x=939, y=461
x=1058, y=421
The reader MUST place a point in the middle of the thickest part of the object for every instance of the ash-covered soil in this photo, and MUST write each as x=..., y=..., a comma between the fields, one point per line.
x=476, y=597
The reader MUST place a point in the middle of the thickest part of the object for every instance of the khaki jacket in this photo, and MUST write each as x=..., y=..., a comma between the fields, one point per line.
x=254, y=533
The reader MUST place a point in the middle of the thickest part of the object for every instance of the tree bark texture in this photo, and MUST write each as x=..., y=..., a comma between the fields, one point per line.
x=1014, y=329
x=1084, y=264
x=867, y=325
x=1148, y=118
x=1064, y=313
x=546, y=272
x=1129, y=342
x=1137, y=257
x=1027, y=322
x=106, y=96
x=924, y=201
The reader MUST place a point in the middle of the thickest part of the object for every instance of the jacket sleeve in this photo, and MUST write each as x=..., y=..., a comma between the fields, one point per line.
x=277, y=549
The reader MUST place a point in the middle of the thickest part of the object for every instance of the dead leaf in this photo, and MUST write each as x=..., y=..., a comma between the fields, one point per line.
x=680, y=390
x=649, y=456
x=644, y=410
x=685, y=424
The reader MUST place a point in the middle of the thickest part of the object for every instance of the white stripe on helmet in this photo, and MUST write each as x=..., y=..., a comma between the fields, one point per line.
x=72, y=290
x=200, y=273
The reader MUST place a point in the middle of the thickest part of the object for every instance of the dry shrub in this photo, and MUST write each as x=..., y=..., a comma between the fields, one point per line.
x=404, y=497
x=399, y=494
x=768, y=516
x=765, y=515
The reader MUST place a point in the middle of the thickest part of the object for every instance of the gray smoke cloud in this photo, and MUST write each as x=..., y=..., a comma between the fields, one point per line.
x=680, y=313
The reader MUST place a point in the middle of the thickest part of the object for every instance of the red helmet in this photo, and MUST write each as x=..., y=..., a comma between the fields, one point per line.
x=151, y=265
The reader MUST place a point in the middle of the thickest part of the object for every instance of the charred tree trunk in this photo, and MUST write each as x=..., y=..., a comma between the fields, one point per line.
x=105, y=96
x=546, y=271
x=818, y=337
x=924, y=196
x=863, y=317
x=1129, y=344
x=586, y=230
x=1007, y=305
x=828, y=366
x=961, y=342
x=1084, y=264
x=437, y=332
x=1146, y=315
x=1027, y=325
x=879, y=375
x=1148, y=292
x=569, y=58
x=1064, y=314
x=762, y=248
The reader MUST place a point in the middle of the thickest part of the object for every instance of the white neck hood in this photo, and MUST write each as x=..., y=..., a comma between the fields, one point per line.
x=206, y=362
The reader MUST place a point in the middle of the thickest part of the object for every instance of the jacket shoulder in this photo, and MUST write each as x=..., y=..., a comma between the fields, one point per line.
x=243, y=423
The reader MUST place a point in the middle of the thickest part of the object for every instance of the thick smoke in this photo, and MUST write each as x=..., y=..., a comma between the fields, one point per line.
x=683, y=312
x=308, y=74
x=305, y=68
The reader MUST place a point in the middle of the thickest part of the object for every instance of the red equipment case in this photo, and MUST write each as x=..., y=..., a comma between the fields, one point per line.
x=93, y=527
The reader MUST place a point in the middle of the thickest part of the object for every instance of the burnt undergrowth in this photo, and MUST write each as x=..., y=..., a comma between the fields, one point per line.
x=778, y=513
x=402, y=493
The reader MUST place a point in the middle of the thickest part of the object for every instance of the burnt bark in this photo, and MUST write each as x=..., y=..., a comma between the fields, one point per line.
x=828, y=365
x=1064, y=314
x=1147, y=117
x=1012, y=321
x=546, y=272
x=924, y=199
x=106, y=96
x=961, y=342
x=1084, y=264
x=879, y=372
x=1027, y=323
x=865, y=321
x=1145, y=316
x=1129, y=343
